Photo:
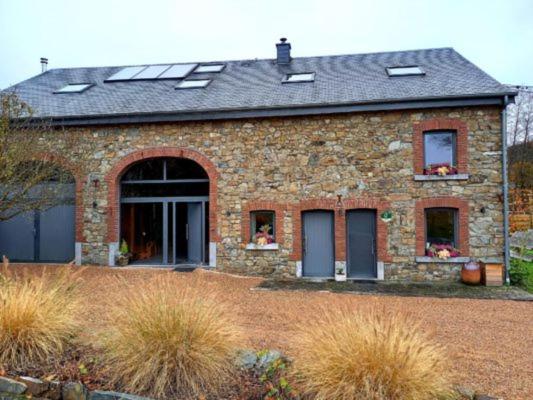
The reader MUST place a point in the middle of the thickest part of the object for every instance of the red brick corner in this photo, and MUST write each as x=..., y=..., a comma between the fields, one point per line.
x=112, y=181
x=447, y=202
x=451, y=124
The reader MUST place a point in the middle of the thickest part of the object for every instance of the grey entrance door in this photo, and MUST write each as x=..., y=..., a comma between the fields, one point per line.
x=40, y=236
x=318, y=244
x=361, y=243
x=194, y=231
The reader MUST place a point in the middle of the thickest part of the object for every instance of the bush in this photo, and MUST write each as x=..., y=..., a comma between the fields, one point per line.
x=521, y=274
x=37, y=317
x=168, y=340
x=346, y=355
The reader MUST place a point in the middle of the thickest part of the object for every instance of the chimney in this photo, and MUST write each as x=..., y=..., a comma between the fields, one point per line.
x=44, y=64
x=284, y=51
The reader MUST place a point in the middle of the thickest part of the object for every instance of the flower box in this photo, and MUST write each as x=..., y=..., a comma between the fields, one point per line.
x=442, y=251
x=440, y=169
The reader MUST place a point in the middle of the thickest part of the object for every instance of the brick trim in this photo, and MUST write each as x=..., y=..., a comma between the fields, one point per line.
x=261, y=205
x=112, y=180
x=340, y=223
x=440, y=124
x=79, y=180
x=448, y=202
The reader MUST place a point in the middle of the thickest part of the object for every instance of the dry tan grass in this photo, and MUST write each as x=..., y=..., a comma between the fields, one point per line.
x=167, y=339
x=372, y=355
x=37, y=316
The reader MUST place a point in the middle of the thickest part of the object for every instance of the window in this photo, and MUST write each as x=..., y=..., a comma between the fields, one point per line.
x=193, y=83
x=300, y=77
x=74, y=88
x=262, y=227
x=441, y=226
x=439, y=148
x=411, y=70
x=209, y=68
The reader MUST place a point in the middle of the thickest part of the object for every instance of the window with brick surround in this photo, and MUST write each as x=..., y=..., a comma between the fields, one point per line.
x=440, y=149
x=262, y=227
x=440, y=141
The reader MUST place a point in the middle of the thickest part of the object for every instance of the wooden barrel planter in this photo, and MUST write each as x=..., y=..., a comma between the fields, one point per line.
x=471, y=273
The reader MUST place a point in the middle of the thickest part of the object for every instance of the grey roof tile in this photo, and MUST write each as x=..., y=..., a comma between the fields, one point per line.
x=256, y=84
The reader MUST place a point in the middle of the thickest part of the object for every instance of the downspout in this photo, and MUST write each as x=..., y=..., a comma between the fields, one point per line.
x=505, y=191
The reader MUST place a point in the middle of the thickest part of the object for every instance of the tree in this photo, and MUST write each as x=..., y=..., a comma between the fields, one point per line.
x=520, y=138
x=28, y=181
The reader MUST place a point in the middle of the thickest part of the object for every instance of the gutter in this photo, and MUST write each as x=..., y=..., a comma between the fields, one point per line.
x=506, y=247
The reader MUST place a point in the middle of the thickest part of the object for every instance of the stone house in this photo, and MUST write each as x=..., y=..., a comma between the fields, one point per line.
x=370, y=166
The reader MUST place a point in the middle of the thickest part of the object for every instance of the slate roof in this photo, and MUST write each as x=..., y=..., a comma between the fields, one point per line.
x=256, y=85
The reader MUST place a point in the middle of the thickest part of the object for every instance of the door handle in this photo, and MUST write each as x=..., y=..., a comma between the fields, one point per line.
x=186, y=231
x=305, y=244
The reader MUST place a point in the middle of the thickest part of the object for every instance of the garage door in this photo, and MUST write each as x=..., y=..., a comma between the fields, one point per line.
x=40, y=236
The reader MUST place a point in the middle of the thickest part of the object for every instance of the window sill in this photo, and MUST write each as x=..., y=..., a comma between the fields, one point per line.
x=456, y=177
x=451, y=260
x=271, y=246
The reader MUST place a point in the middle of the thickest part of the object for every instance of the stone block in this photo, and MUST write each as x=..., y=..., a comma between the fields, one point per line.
x=8, y=385
x=74, y=391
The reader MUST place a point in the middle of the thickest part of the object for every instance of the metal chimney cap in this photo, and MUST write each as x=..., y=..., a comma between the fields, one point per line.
x=283, y=39
x=44, y=60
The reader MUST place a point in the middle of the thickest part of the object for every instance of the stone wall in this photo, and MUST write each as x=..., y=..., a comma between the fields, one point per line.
x=293, y=160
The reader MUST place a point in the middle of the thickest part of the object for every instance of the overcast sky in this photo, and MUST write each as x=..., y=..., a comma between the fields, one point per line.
x=497, y=35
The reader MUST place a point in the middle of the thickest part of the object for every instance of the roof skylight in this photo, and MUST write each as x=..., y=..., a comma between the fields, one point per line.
x=300, y=77
x=405, y=71
x=193, y=83
x=74, y=88
x=206, y=68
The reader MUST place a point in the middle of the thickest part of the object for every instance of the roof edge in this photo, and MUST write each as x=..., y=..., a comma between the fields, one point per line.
x=302, y=110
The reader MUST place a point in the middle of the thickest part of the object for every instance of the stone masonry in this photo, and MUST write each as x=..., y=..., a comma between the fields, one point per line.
x=297, y=163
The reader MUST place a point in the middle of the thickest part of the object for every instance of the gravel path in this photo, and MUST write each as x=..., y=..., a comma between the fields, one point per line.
x=490, y=341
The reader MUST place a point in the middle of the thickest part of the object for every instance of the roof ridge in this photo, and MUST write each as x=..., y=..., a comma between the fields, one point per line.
x=255, y=59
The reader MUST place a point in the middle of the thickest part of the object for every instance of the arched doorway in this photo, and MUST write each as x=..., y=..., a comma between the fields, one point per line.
x=164, y=202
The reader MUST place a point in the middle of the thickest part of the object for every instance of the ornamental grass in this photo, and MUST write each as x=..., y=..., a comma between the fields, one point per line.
x=168, y=338
x=38, y=316
x=369, y=356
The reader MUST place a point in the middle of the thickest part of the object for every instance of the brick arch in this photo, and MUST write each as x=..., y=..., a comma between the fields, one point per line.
x=112, y=180
x=79, y=180
x=451, y=124
x=445, y=202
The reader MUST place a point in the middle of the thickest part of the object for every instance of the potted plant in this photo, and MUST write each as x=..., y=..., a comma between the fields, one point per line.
x=442, y=251
x=340, y=273
x=263, y=237
x=443, y=169
x=124, y=254
x=471, y=273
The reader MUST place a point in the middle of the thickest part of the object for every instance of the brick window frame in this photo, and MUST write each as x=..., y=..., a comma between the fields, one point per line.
x=328, y=204
x=260, y=205
x=112, y=181
x=461, y=205
x=441, y=124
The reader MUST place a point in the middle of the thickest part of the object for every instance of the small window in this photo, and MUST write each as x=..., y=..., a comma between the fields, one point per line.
x=441, y=229
x=209, y=68
x=405, y=71
x=193, y=83
x=74, y=88
x=301, y=77
x=262, y=227
x=439, y=150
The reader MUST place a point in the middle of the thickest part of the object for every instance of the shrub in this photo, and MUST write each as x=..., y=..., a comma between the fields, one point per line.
x=521, y=273
x=37, y=317
x=373, y=355
x=168, y=340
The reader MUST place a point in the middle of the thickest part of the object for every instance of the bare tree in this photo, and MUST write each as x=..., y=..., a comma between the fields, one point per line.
x=520, y=138
x=27, y=180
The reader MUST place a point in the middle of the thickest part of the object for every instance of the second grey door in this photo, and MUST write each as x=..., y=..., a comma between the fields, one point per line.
x=361, y=243
x=194, y=231
x=318, y=244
